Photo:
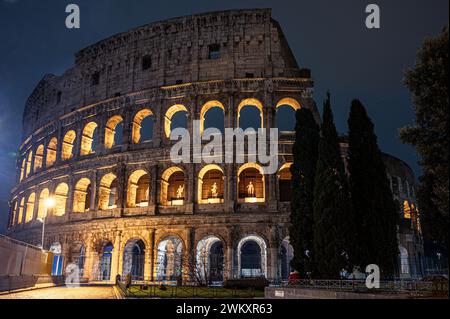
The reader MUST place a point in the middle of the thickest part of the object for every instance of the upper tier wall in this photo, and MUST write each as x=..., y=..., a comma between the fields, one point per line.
x=213, y=46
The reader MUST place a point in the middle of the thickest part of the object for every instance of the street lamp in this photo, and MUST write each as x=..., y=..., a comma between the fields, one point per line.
x=49, y=203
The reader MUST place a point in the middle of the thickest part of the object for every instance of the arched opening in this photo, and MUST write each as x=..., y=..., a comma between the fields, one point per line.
x=30, y=208
x=404, y=261
x=108, y=196
x=252, y=257
x=89, y=139
x=250, y=114
x=406, y=210
x=61, y=192
x=169, y=260
x=104, y=264
x=210, y=185
x=38, y=158
x=22, y=169
x=210, y=260
x=78, y=257
x=286, y=255
x=51, y=152
x=212, y=115
x=114, y=132
x=67, y=145
x=82, y=196
x=12, y=216
x=176, y=117
x=143, y=123
x=251, y=184
x=29, y=163
x=285, y=182
x=133, y=259
x=42, y=208
x=21, y=208
x=138, y=192
x=286, y=109
x=57, y=266
x=173, y=187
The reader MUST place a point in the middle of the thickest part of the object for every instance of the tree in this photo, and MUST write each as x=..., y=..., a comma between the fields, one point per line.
x=303, y=171
x=332, y=207
x=428, y=83
x=376, y=214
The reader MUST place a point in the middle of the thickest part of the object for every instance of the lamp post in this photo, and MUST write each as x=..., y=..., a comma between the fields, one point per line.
x=49, y=203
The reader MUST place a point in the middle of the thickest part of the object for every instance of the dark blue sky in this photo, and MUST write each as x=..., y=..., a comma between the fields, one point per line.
x=329, y=37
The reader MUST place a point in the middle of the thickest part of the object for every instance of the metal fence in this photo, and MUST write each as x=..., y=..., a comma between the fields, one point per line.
x=397, y=286
x=174, y=291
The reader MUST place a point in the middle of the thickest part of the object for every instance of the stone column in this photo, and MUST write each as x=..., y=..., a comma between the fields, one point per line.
x=228, y=256
x=89, y=260
x=93, y=192
x=149, y=253
x=188, y=255
x=116, y=255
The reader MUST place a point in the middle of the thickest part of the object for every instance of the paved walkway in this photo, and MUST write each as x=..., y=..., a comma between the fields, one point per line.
x=93, y=292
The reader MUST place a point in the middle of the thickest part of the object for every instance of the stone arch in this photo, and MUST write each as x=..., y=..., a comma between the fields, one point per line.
x=108, y=192
x=138, y=189
x=12, y=216
x=173, y=186
x=61, y=193
x=207, y=107
x=67, y=145
x=290, y=102
x=21, y=208
x=210, y=260
x=252, y=256
x=23, y=168
x=134, y=259
x=38, y=158
x=88, y=139
x=29, y=163
x=404, y=260
x=137, y=127
x=210, y=184
x=285, y=114
x=52, y=147
x=407, y=210
x=169, y=259
x=169, y=115
x=103, y=260
x=251, y=183
x=250, y=102
x=42, y=206
x=284, y=182
x=30, y=208
x=77, y=255
x=113, y=126
x=286, y=255
x=82, y=196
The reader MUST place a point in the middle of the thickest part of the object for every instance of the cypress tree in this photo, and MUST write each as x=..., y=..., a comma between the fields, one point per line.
x=332, y=207
x=303, y=171
x=376, y=213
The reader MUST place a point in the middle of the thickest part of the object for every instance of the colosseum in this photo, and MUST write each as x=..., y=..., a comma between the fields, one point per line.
x=96, y=142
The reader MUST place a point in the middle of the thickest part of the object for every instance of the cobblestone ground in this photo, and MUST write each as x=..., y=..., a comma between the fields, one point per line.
x=106, y=292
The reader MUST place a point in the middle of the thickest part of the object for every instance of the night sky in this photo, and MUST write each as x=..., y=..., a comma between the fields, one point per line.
x=329, y=37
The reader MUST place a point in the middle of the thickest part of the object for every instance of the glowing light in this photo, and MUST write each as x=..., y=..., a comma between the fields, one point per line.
x=50, y=202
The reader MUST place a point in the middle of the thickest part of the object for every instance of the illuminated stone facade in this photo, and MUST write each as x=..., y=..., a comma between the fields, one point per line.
x=95, y=139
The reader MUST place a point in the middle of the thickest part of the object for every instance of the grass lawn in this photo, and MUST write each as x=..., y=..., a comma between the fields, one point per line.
x=191, y=292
